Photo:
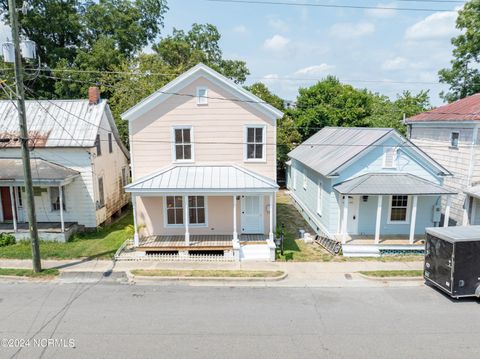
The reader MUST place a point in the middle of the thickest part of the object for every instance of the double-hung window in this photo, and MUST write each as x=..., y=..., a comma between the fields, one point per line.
x=110, y=143
x=255, y=143
x=101, y=193
x=183, y=144
x=399, y=209
x=196, y=210
x=454, y=136
x=55, y=198
x=202, y=96
x=174, y=210
x=98, y=145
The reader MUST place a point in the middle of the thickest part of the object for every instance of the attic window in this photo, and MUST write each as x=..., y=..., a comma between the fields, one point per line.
x=454, y=139
x=202, y=96
x=390, y=157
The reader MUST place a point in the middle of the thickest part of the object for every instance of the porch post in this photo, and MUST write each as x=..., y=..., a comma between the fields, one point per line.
x=270, y=233
x=235, y=233
x=413, y=219
x=14, y=212
x=60, y=193
x=379, y=219
x=186, y=218
x=135, y=228
x=447, y=211
x=345, y=219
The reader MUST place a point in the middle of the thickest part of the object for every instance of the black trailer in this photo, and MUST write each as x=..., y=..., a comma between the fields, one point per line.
x=452, y=260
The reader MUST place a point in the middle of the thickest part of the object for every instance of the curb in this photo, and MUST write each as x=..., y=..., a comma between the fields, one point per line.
x=18, y=278
x=132, y=278
x=391, y=279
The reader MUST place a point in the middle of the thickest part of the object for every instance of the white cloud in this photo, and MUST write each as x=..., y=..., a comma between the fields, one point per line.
x=276, y=43
x=278, y=24
x=382, y=13
x=438, y=26
x=397, y=63
x=240, y=29
x=314, y=70
x=348, y=30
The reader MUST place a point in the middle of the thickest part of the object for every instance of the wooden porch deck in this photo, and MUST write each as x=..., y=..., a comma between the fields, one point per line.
x=206, y=242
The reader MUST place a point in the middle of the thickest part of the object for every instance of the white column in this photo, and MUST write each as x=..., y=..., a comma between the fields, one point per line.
x=186, y=218
x=413, y=219
x=135, y=227
x=345, y=219
x=235, y=233
x=270, y=233
x=60, y=194
x=378, y=220
x=447, y=211
x=14, y=212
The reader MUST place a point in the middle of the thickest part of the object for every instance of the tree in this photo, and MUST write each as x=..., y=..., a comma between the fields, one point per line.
x=464, y=76
x=261, y=90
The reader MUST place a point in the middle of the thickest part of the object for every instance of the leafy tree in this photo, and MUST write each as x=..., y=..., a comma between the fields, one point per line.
x=464, y=76
x=261, y=90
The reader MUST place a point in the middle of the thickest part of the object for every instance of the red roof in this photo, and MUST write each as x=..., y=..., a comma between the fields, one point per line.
x=466, y=109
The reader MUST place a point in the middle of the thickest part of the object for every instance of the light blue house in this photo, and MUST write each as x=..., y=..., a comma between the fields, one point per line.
x=393, y=189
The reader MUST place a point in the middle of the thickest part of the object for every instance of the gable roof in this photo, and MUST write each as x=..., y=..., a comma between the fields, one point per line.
x=466, y=109
x=188, y=77
x=334, y=147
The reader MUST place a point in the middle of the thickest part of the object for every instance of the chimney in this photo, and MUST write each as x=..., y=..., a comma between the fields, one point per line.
x=93, y=95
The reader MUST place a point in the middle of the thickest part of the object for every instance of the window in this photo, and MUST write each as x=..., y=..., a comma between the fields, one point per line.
x=55, y=198
x=255, y=143
x=124, y=176
x=101, y=194
x=202, y=96
x=399, y=209
x=304, y=179
x=390, y=157
x=196, y=210
x=319, y=197
x=454, y=139
x=183, y=144
x=295, y=174
x=98, y=145
x=110, y=143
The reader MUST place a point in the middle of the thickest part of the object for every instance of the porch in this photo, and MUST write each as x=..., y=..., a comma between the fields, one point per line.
x=197, y=242
x=46, y=230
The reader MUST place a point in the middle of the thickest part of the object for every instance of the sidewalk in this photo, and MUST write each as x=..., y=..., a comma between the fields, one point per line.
x=300, y=274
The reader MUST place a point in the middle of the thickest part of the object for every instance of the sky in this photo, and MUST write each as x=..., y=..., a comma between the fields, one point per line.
x=288, y=47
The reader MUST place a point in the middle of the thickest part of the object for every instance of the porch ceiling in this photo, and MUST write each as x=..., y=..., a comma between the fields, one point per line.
x=216, y=179
x=390, y=184
x=44, y=173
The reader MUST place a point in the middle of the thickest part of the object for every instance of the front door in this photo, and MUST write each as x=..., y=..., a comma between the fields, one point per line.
x=352, y=222
x=6, y=204
x=252, y=214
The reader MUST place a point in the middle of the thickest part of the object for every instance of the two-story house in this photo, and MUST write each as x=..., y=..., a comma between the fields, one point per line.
x=368, y=188
x=203, y=158
x=450, y=135
x=79, y=166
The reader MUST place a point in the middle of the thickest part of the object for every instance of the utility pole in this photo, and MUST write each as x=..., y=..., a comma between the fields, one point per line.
x=27, y=171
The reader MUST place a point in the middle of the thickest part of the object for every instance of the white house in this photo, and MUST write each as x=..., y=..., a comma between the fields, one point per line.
x=79, y=166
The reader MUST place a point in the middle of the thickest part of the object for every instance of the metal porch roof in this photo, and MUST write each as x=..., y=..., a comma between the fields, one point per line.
x=44, y=173
x=473, y=191
x=203, y=179
x=390, y=184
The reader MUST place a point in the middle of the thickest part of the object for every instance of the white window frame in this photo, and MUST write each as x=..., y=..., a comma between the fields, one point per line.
x=409, y=205
x=264, y=143
x=319, y=197
x=395, y=155
x=50, y=189
x=451, y=139
x=202, y=100
x=196, y=225
x=101, y=193
x=124, y=175
x=294, y=177
x=192, y=143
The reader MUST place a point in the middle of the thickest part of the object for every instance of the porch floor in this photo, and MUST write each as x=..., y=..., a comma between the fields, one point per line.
x=207, y=241
x=52, y=227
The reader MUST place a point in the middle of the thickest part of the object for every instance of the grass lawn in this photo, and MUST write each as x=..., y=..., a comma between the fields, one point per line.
x=102, y=243
x=29, y=272
x=392, y=273
x=206, y=273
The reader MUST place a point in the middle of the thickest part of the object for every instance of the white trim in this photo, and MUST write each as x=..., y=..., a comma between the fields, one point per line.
x=394, y=159
x=270, y=232
x=192, y=143
x=458, y=139
x=191, y=225
x=407, y=215
x=60, y=196
x=319, y=197
x=235, y=231
x=264, y=143
x=14, y=210
x=378, y=220
x=413, y=217
x=204, y=98
x=446, y=219
x=294, y=176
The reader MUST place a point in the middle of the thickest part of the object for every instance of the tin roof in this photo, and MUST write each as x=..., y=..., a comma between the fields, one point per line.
x=44, y=173
x=54, y=123
x=203, y=179
x=456, y=233
x=332, y=147
x=466, y=109
x=390, y=184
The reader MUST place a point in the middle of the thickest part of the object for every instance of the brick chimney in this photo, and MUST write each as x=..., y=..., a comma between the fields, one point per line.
x=93, y=95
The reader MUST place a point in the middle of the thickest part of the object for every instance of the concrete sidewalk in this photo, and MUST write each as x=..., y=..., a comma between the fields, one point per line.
x=300, y=274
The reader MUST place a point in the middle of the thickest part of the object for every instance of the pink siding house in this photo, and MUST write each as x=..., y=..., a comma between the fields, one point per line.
x=203, y=158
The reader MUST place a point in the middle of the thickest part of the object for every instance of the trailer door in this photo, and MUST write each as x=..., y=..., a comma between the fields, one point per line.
x=439, y=262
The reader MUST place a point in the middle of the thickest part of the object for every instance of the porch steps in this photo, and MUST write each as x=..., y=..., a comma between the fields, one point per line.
x=331, y=245
x=255, y=252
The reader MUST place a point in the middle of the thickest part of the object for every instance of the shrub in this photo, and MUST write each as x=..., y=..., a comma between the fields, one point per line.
x=6, y=239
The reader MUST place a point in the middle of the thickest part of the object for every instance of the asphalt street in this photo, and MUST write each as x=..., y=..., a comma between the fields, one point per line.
x=107, y=320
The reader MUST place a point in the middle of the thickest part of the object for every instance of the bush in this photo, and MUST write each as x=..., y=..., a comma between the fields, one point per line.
x=6, y=239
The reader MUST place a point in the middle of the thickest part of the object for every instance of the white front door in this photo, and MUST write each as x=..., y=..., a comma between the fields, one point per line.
x=252, y=214
x=352, y=221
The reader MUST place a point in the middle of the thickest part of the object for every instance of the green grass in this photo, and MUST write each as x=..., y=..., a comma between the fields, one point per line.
x=392, y=273
x=206, y=273
x=102, y=243
x=46, y=273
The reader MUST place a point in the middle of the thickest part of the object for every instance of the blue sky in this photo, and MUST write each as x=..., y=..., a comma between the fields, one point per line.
x=287, y=47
